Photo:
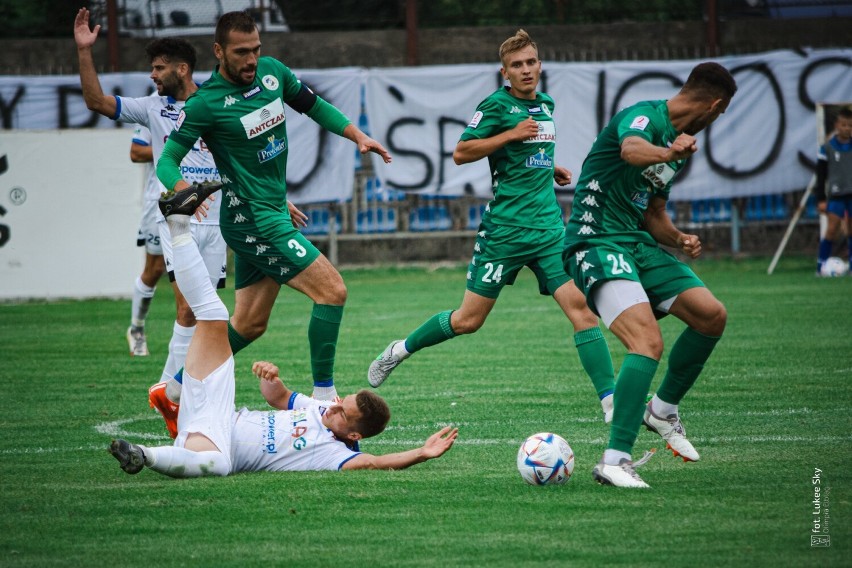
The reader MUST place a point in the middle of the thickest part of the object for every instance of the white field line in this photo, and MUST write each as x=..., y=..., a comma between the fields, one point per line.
x=122, y=428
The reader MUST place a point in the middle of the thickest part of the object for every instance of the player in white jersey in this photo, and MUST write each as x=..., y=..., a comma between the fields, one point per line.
x=172, y=64
x=149, y=237
x=214, y=439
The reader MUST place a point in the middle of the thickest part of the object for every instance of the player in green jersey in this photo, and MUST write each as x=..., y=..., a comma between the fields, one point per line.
x=612, y=251
x=522, y=225
x=239, y=113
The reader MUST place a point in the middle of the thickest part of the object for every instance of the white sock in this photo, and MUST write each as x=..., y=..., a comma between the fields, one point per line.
x=180, y=462
x=399, y=351
x=178, y=346
x=193, y=280
x=662, y=409
x=142, y=294
x=614, y=457
x=179, y=229
x=325, y=393
x=607, y=405
x=173, y=390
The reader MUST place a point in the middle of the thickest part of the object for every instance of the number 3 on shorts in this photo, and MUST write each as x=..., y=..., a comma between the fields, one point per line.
x=300, y=250
x=619, y=265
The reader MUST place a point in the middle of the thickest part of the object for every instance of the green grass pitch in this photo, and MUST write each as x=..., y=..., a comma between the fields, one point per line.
x=773, y=405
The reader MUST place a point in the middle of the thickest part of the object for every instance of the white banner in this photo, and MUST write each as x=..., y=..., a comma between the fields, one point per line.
x=765, y=142
x=320, y=166
x=70, y=204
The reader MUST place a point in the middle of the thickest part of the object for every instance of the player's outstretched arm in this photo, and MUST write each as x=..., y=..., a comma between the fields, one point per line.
x=365, y=143
x=271, y=387
x=93, y=94
x=436, y=445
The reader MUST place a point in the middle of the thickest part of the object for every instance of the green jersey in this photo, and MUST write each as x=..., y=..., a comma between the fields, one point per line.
x=521, y=172
x=245, y=129
x=612, y=195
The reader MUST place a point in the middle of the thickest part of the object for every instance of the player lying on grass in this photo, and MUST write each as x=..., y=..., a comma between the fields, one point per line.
x=213, y=438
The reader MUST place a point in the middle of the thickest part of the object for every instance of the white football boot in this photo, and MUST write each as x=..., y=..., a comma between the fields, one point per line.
x=671, y=430
x=622, y=475
x=382, y=366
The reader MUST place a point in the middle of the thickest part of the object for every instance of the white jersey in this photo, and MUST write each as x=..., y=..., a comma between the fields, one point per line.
x=286, y=440
x=153, y=187
x=159, y=115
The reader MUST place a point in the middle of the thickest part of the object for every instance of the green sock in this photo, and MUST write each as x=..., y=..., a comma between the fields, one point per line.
x=435, y=330
x=322, y=336
x=686, y=360
x=596, y=360
x=237, y=341
x=632, y=385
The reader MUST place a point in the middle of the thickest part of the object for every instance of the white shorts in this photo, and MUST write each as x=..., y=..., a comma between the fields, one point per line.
x=149, y=231
x=207, y=407
x=211, y=245
x=614, y=296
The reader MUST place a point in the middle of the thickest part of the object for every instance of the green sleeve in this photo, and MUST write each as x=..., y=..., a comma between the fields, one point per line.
x=328, y=116
x=168, y=166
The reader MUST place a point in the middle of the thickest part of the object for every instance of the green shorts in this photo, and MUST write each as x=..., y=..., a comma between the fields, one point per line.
x=501, y=251
x=658, y=271
x=273, y=249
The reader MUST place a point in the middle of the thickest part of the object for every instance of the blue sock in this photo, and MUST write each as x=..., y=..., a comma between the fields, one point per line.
x=824, y=252
x=179, y=376
x=326, y=383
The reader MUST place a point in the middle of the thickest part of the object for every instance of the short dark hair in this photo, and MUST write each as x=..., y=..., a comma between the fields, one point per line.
x=845, y=113
x=710, y=80
x=375, y=413
x=172, y=49
x=233, y=21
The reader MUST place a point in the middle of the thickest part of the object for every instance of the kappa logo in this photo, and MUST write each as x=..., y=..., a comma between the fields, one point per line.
x=273, y=260
x=229, y=100
x=234, y=201
x=586, y=230
x=250, y=239
x=514, y=110
x=261, y=249
x=580, y=255
x=595, y=186
x=590, y=201
x=587, y=217
x=240, y=218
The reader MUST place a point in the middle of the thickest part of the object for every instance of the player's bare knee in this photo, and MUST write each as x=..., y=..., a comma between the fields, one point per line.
x=716, y=321
x=466, y=325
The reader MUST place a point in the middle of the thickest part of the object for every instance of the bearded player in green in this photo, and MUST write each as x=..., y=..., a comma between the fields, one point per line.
x=522, y=225
x=239, y=113
x=612, y=251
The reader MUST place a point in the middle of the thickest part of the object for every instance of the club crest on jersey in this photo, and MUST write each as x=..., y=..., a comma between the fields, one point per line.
x=546, y=110
x=252, y=92
x=270, y=82
x=474, y=122
x=639, y=123
x=272, y=149
x=263, y=119
x=539, y=160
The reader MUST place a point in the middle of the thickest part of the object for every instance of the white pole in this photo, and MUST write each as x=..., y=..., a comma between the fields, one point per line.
x=802, y=204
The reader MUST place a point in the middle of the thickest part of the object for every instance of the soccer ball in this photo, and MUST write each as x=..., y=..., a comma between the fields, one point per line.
x=834, y=266
x=545, y=459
